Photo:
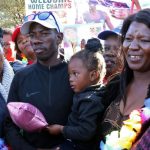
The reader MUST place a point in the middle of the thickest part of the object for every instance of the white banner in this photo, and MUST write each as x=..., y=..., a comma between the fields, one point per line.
x=47, y=5
x=83, y=19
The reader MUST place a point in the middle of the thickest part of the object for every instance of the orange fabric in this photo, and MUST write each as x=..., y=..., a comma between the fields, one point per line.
x=9, y=55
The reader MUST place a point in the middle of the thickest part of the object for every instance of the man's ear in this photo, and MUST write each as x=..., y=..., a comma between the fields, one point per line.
x=94, y=75
x=60, y=36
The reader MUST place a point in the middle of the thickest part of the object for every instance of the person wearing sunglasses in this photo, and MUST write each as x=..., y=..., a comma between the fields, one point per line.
x=44, y=84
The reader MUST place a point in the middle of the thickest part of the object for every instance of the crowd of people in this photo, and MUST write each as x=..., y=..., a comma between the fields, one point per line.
x=99, y=99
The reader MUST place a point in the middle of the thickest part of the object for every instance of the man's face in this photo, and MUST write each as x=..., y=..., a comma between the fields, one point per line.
x=44, y=42
x=92, y=6
x=111, y=49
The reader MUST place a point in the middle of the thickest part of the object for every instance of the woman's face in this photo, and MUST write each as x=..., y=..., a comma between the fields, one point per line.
x=24, y=45
x=136, y=47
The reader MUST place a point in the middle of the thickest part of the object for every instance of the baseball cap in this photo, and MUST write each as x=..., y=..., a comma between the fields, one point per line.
x=46, y=19
x=105, y=34
x=15, y=33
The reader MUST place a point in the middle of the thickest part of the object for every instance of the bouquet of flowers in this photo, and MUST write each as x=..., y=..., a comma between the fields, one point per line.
x=123, y=139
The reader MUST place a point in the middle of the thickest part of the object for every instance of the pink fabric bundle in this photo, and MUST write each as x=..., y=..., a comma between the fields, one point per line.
x=26, y=116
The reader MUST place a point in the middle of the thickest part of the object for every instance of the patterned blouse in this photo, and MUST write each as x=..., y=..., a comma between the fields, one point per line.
x=113, y=119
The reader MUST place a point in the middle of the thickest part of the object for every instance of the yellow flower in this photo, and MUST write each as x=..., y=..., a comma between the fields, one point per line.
x=125, y=143
x=133, y=125
x=124, y=139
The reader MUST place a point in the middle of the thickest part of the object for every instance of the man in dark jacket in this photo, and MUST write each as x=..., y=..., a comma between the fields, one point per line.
x=44, y=84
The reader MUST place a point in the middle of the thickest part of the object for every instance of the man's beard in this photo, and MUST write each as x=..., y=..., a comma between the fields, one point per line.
x=47, y=58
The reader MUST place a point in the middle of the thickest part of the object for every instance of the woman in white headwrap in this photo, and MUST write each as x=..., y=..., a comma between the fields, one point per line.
x=6, y=75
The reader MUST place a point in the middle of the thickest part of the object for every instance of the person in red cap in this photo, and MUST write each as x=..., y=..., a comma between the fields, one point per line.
x=23, y=47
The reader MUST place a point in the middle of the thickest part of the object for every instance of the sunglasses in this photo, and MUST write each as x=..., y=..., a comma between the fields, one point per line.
x=41, y=16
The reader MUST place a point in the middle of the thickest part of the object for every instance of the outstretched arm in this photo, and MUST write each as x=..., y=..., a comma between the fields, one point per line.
x=108, y=22
x=137, y=4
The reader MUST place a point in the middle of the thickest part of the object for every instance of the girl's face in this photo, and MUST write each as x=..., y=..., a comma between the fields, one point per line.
x=79, y=75
x=136, y=47
x=24, y=45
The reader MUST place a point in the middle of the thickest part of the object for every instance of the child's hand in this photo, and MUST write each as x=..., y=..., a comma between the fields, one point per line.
x=55, y=129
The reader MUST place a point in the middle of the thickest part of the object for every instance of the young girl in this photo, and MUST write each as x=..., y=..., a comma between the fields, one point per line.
x=86, y=69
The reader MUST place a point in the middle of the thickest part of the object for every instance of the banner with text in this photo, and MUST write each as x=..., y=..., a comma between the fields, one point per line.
x=83, y=19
